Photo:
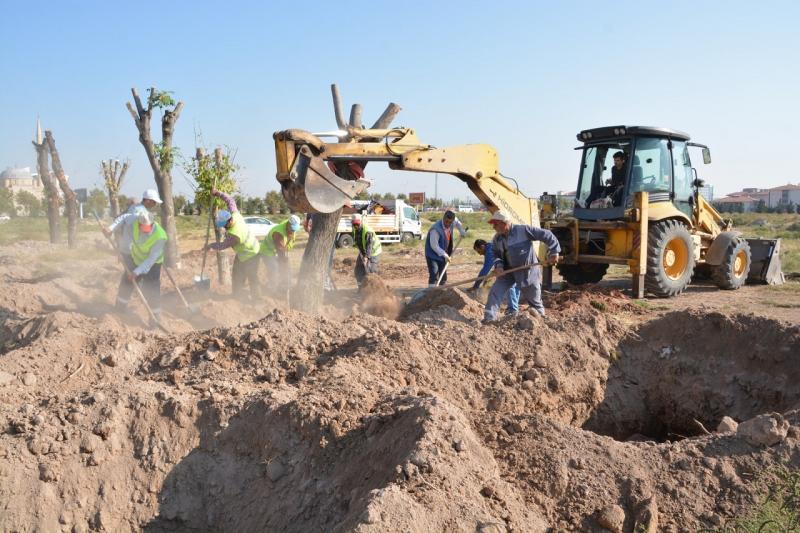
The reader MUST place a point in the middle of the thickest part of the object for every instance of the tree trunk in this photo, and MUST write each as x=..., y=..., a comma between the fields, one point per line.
x=309, y=293
x=114, y=177
x=223, y=265
x=50, y=190
x=70, y=200
x=161, y=172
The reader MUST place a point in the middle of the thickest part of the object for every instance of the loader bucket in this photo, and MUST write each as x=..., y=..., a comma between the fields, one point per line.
x=765, y=261
x=313, y=188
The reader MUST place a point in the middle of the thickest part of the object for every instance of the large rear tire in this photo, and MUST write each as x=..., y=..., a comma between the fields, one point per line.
x=670, y=258
x=735, y=266
x=582, y=273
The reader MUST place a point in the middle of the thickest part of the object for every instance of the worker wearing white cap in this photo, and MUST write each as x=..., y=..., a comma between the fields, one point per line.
x=275, y=250
x=243, y=242
x=513, y=247
x=123, y=224
x=143, y=262
x=369, y=248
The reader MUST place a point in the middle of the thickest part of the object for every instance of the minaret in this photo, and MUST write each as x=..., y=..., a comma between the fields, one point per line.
x=38, y=131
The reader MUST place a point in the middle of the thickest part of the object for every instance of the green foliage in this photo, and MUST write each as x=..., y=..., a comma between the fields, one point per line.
x=402, y=196
x=779, y=507
x=275, y=203
x=166, y=155
x=7, y=202
x=364, y=195
x=208, y=175
x=96, y=201
x=179, y=202
x=160, y=99
x=30, y=203
x=600, y=306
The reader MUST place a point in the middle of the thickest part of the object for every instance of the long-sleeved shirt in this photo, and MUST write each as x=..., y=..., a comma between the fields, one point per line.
x=488, y=263
x=155, y=252
x=434, y=236
x=123, y=227
x=516, y=249
x=230, y=240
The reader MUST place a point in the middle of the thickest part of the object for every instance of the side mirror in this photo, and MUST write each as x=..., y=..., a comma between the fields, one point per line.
x=706, y=155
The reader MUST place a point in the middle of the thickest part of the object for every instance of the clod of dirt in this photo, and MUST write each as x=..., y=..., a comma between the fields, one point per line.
x=764, y=430
x=434, y=298
x=378, y=299
x=727, y=425
x=611, y=517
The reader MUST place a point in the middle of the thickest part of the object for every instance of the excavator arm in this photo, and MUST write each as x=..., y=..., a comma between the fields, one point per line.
x=305, y=168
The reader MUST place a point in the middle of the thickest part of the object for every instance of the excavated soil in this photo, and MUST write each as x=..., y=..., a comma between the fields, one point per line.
x=267, y=419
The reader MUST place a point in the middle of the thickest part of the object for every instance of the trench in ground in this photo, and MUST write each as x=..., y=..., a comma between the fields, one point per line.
x=686, y=368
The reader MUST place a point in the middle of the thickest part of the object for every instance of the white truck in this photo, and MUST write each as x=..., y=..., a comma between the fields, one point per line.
x=397, y=222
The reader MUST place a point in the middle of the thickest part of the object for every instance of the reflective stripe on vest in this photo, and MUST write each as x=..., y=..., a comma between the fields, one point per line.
x=141, y=250
x=376, y=243
x=247, y=248
x=268, y=244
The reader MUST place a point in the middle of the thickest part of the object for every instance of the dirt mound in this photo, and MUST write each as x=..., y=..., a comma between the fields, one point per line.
x=378, y=299
x=301, y=423
x=436, y=298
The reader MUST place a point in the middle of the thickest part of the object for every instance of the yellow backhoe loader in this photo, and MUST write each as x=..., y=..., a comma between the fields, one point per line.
x=648, y=214
x=656, y=222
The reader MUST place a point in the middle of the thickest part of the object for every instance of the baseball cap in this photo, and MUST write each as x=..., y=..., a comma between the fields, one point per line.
x=294, y=223
x=355, y=218
x=499, y=216
x=223, y=217
x=151, y=194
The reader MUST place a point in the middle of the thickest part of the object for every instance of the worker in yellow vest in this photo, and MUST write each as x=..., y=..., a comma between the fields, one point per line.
x=243, y=242
x=144, y=262
x=275, y=250
x=369, y=248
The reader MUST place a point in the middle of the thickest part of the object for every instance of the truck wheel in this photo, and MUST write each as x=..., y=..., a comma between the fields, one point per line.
x=582, y=272
x=670, y=258
x=345, y=240
x=406, y=237
x=735, y=266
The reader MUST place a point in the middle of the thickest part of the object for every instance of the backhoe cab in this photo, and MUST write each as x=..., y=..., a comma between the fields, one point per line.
x=638, y=204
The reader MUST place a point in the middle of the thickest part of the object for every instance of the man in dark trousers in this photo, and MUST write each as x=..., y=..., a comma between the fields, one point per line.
x=439, y=246
x=369, y=249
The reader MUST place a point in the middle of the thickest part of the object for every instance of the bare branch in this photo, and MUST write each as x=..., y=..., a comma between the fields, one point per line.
x=134, y=115
x=337, y=107
x=121, y=176
x=355, y=116
x=387, y=117
x=138, y=101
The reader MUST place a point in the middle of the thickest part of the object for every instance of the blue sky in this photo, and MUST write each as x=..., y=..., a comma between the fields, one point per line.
x=522, y=76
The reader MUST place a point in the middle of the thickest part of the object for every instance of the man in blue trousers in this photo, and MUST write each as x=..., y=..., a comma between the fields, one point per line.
x=439, y=246
x=486, y=249
x=513, y=247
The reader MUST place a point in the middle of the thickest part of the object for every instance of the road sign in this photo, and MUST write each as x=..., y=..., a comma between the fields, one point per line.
x=416, y=198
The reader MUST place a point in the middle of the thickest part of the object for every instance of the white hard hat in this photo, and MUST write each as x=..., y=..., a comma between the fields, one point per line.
x=500, y=216
x=151, y=194
x=355, y=218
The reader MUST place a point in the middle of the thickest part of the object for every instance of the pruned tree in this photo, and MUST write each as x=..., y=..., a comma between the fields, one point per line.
x=161, y=155
x=309, y=292
x=211, y=174
x=114, y=176
x=31, y=205
x=70, y=200
x=50, y=188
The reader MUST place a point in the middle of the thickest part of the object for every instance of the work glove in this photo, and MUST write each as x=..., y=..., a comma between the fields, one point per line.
x=446, y=258
x=553, y=260
x=107, y=232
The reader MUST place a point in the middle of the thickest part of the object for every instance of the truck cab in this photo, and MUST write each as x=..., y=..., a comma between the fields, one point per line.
x=392, y=221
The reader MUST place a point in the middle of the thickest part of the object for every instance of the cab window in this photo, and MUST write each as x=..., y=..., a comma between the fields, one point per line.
x=410, y=213
x=651, y=168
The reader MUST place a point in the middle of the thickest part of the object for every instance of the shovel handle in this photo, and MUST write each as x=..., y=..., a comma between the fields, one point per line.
x=174, y=284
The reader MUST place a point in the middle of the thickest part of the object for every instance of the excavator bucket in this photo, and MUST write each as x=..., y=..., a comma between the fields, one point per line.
x=313, y=188
x=765, y=262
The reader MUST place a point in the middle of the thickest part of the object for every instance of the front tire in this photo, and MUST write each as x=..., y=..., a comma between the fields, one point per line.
x=406, y=237
x=670, y=258
x=582, y=273
x=732, y=272
x=345, y=240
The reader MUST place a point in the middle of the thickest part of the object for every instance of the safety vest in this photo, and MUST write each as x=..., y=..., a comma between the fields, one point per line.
x=268, y=244
x=141, y=250
x=361, y=240
x=247, y=248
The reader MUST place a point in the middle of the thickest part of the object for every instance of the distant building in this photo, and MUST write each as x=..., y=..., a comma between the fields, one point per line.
x=21, y=179
x=737, y=202
x=783, y=195
x=707, y=192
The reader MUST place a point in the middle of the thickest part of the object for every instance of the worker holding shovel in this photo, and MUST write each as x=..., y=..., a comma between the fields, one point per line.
x=143, y=264
x=369, y=249
x=275, y=248
x=244, y=243
x=513, y=248
x=439, y=247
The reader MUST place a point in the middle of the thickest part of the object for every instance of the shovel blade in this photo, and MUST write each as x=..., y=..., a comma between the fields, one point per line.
x=202, y=283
